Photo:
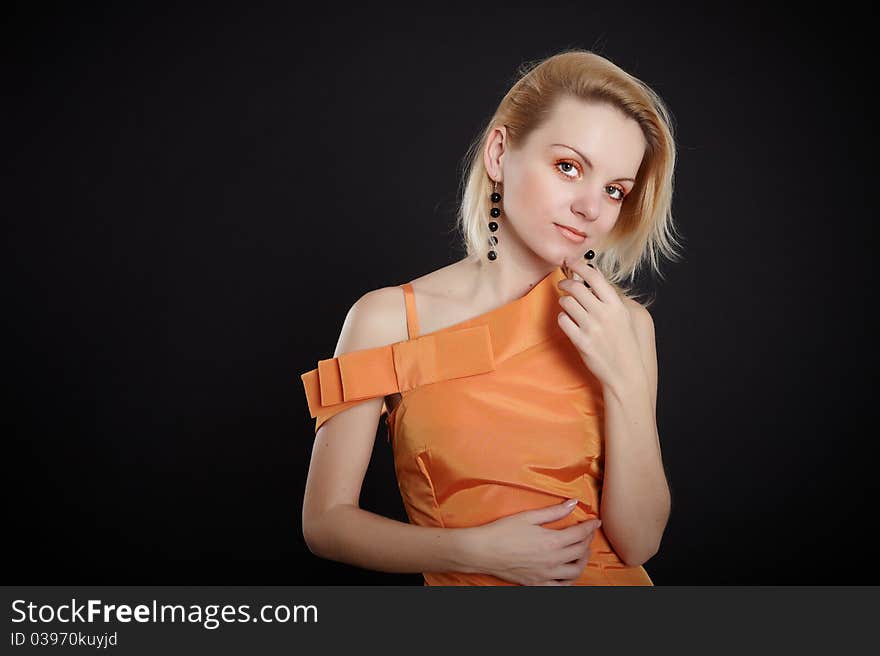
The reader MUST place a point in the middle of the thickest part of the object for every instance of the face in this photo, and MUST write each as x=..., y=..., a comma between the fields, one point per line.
x=573, y=171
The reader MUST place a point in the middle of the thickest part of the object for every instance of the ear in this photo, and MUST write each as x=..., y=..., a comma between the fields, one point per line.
x=493, y=155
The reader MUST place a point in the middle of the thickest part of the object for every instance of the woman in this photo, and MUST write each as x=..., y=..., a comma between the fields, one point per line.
x=524, y=375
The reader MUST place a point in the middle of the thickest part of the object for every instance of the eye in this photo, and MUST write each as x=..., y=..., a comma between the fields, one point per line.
x=616, y=188
x=574, y=165
x=570, y=164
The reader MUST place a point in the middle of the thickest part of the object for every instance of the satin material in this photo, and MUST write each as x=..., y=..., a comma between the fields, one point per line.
x=498, y=415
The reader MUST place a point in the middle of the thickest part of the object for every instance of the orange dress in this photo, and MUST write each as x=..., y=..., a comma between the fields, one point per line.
x=498, y=414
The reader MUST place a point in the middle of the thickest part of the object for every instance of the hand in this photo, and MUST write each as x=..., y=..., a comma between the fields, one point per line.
x=600, y=326
x=517, y=549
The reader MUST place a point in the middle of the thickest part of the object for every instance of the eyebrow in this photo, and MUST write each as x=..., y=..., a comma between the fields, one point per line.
x=586, y=159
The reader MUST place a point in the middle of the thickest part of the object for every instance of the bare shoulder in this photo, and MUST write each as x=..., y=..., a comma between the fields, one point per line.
x=377, y=318
x=641, y=317
x=636, y=310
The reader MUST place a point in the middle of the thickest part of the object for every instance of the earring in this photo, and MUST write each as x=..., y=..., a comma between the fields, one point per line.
x=493, y=225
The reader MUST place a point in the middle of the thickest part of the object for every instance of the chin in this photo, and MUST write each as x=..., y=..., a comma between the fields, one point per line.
x=557, y=257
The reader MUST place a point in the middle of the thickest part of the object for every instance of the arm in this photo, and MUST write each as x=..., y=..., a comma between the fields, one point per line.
x=636, y=501
x=349, y=534
x=333, y=524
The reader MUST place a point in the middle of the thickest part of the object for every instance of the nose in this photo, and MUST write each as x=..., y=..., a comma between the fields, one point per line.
x=586, y=205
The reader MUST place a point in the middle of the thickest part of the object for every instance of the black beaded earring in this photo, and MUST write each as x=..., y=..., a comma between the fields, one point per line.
x=493, y=225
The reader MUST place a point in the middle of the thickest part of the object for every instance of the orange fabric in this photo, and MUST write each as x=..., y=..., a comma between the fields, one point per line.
x=498, y=415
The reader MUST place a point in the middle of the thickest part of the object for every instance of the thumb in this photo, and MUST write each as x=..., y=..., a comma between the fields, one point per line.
x=550, y=513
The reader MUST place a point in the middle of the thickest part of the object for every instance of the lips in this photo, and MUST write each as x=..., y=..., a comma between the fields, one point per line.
x=574, y=230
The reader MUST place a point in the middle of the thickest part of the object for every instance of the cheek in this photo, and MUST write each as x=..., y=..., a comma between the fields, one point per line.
x=532, y=195
x=611, y=221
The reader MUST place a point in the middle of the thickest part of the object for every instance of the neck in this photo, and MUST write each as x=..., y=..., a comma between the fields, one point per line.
x=508, y=278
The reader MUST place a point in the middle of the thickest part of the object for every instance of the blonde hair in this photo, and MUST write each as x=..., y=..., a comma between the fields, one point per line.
x=644, y=230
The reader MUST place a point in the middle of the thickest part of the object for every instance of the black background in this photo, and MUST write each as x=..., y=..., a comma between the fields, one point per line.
x=195, y=196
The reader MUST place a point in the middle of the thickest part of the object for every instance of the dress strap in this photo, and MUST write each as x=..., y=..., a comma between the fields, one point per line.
x=346, y=380
x=412, y=318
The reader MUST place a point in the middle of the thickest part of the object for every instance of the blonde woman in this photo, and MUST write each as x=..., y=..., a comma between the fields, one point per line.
x=518, y=384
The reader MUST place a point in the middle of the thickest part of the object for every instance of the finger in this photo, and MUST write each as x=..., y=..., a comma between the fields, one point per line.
x=569, y=535
x=573, y=552
x=579, y=565
x=569, y=581
x=575, y=289
x=571, y=329
x=576, y=312
x=583, y=294
x=599, y=286
x=548, y=514
x=577, y=532
x=567, y=572
x=582, y=554
x=583, y=560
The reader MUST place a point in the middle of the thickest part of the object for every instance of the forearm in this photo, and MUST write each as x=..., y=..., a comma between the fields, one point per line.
x=359, y=537
x=635, y=495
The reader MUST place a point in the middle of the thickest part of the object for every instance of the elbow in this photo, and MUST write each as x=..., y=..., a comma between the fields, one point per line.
x=311, y=531
x=639, y=548
x=310, y=540
x=637, y=560
x=635, y=550
x=318, y=529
